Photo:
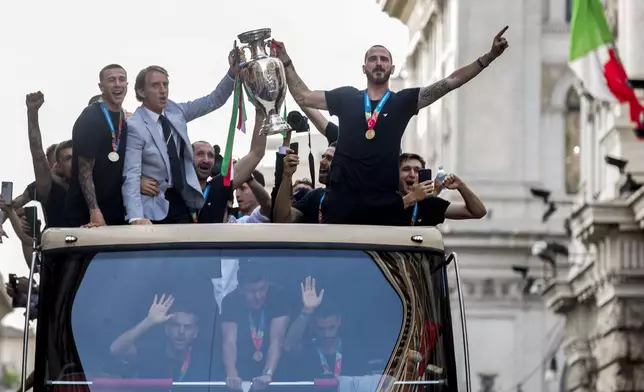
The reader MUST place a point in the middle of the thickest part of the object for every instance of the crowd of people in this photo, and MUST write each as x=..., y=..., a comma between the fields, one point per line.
x=141, y=168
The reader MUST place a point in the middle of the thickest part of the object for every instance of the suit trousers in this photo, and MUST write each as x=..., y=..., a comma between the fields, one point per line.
x=178, y=212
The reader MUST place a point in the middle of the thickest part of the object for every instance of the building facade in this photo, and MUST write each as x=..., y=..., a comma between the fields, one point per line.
x=602, y=297
x=513, y=128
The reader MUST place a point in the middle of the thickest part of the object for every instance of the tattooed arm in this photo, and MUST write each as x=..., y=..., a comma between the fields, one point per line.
x=86, y=180
x=301, y=93
x=41, y=166
x=436, y=91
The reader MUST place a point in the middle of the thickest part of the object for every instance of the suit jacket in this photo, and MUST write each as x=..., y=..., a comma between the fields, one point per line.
x=147, y=154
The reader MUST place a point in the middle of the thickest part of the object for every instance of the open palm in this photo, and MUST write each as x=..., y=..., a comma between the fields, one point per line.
x=310, y=298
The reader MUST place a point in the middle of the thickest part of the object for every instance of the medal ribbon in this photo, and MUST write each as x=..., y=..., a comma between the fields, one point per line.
x=257, y=333
x=414, y=214
x=195, y=213
x=338, y=360
x=116, y=137
x=373, y=117
x=320, y=208
x=184, y=366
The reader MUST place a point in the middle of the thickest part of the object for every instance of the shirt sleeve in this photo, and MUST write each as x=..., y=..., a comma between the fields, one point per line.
x=332, y=132
x=335, y=99
x=433, y=210
x=409, y=100
x=229, y=308
x=31, y=190
x=84, y=136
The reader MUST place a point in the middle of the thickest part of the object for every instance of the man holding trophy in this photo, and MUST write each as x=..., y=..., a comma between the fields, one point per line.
x=364, y=177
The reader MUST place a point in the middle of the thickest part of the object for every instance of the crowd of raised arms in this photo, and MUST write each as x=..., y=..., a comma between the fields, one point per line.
x=141, y=168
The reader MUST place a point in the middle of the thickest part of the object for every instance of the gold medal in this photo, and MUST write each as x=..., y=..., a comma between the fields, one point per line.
x=258, y=356
x=370, y=134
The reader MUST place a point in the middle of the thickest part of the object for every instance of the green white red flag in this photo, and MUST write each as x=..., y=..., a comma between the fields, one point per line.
x=593, y=58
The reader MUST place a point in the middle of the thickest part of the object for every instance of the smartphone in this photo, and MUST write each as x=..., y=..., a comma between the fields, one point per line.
x=424, y=175
x=295, y=147
x=7, y=192
x=13, y=282
x=31, y=214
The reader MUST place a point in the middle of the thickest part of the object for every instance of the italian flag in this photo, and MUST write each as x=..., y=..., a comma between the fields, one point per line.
x=594, y=60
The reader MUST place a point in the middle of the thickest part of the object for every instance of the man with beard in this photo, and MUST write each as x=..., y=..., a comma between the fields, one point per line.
x=216, y=193
x=326, y=354
x=428, y=209
x=364, y=175
x=99, y=138
x=159, y=147
x=255, y=317
x=309, y=208
x=178, y=357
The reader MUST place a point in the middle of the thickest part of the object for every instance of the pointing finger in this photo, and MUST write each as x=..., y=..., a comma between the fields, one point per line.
x=501, y=32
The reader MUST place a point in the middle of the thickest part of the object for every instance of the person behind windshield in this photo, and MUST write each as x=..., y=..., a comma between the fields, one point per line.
x=176, y=357
x=254, y=321
x=326, y=354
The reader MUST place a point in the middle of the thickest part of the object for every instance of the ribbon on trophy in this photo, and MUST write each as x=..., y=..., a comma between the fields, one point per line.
x=237, y=121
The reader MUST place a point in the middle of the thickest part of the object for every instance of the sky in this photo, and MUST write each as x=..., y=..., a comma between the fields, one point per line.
x=58, y=47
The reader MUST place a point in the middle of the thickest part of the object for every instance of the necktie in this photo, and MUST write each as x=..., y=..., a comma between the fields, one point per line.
x=176, y=165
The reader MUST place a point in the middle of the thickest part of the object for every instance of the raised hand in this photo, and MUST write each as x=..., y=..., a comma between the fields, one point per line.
x=279, y=50
x=35, y=100
x=158, y=312
x=452, y=182
x=234, y=60
x=499, y=44
x=310, y=298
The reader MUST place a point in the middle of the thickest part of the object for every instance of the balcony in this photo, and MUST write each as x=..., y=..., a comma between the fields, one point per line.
x=399, y=9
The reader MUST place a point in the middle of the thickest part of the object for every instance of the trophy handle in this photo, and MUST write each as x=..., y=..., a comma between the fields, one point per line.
x=243, y=53
x=269, y=45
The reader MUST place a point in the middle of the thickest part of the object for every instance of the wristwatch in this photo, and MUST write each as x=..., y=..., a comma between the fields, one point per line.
x=267, y=372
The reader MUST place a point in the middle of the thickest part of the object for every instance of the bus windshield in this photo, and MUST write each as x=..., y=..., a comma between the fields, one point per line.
x=246, y=319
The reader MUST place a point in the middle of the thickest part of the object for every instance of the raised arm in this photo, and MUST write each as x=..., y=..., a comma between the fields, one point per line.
x=216, y=99
x=300, y=92
x=41, y=166
x=246, y=165
x=436, y=91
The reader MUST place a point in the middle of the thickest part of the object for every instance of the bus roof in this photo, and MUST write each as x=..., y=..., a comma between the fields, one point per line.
x=105, y=238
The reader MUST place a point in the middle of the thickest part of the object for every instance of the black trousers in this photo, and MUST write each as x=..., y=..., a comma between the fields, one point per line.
x=345, y=207
x=178, y=212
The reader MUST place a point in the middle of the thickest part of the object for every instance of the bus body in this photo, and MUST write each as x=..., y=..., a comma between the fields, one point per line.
x=387, y=288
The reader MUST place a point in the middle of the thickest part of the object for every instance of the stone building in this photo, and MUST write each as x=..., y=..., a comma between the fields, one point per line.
x=602, y=297
x=513, y=128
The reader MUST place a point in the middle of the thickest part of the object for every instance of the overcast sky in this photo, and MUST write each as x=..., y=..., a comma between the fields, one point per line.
x=58, y=47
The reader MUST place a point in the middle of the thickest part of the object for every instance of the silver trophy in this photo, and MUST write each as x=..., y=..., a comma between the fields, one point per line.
x=264, y=80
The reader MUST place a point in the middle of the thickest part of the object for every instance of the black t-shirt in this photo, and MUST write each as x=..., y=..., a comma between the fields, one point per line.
x=307, y=364
x=214, y=209
x=54, y=207
x=430, y=212
x=92, y=139
x=310, y=206
x=369, y=167
x=154, y=362
x=235, y=310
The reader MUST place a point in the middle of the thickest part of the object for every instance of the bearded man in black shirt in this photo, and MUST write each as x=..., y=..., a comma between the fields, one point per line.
x=364, y=173
x=99, y=137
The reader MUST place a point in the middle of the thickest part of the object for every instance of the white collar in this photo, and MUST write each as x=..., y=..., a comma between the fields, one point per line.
x=154, y=116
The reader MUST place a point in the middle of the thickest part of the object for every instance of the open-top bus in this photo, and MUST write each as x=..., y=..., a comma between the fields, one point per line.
x=386, y=286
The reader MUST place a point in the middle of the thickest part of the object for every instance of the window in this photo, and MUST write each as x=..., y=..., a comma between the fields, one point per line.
x=572, y=141
x=192, y=319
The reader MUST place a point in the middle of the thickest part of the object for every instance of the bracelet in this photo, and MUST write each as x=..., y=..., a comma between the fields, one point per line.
x=480, y=63
x=288, y=64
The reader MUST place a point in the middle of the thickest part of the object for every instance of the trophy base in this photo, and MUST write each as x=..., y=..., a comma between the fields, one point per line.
x=274, y=125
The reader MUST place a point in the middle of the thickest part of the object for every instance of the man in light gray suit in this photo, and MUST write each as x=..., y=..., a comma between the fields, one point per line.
x=158, y=147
